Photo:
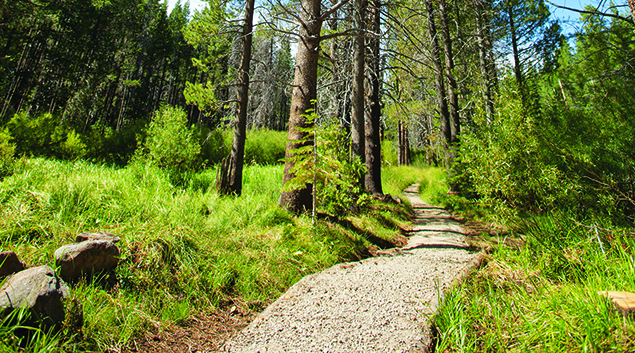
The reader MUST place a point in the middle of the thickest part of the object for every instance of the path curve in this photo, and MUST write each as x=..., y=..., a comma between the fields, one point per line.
x=380, y=304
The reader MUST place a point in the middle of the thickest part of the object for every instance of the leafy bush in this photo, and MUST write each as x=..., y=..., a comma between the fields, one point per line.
x=7, y=150
x=505, y=165
x=170, y=144
x=45, y=135
x=328, y=167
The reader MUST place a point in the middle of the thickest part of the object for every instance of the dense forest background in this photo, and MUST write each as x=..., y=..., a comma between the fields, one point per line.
x=523, y=117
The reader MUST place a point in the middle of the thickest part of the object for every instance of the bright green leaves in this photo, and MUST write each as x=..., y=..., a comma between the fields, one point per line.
x=170, y=144
x=321, y=159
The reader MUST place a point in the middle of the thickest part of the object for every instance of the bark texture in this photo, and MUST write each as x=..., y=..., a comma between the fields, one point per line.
x=455, y=123
x=484, y=62
x=303, y=96
x=372, y=127
x=237, y=156
x=438, y=82
x=357, y=96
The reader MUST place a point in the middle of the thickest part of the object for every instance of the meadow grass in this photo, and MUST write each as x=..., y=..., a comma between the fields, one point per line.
x=544, y=296
x=184, y=250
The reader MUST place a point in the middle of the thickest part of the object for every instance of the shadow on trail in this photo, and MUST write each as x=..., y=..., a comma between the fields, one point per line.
x=373, y=239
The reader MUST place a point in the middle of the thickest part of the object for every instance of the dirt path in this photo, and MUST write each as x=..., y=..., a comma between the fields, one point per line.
x=380, y=304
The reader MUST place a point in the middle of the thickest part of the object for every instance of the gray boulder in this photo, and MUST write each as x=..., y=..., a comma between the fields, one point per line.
x=86, y=258
x=97, y=236
x=37, y=290
x=9, y=264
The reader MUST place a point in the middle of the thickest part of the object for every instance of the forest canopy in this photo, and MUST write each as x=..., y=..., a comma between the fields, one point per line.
x=522, y=116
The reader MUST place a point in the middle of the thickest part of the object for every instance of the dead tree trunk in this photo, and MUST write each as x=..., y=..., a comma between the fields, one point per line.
x=372, y=138
x=237, y=156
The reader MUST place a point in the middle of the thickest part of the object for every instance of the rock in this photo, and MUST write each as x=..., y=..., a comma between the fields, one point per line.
x=86, y=258
x=623, y=301
x=38, y=290
x=9, y=264
x=97, y=236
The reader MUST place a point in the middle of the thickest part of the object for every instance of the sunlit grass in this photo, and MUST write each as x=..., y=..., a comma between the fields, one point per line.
x=184, y=249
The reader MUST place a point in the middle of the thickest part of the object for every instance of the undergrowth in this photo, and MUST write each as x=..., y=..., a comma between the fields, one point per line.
x=544, y=296
x=184, y=250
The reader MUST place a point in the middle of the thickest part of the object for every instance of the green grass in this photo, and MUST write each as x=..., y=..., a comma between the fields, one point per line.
x=184, y=250
x=543, y=297
x=432, y=181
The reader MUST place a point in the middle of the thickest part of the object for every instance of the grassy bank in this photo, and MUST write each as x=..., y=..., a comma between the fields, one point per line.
x=543, y=296
x=184, y=250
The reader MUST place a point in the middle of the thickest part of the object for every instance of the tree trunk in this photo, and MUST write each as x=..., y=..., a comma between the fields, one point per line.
x=455, y=123
x=373, y=142
x=237, y=158
x=438, y=82
x=303, y=97
x=357, y=95
x=518, y=73
x=631, y=4
x=484, y=63
x=403, y=155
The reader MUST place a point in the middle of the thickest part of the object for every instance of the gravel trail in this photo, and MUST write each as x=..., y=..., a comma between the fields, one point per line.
x=380, y=304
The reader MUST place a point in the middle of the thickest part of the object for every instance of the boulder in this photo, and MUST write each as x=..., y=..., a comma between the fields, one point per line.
x=86, y=258
x=97, y=236
x=37, y=290
x=9, y=264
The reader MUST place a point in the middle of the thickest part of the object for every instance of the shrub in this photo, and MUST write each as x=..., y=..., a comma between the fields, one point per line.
x=45, y=135
x=170, y=144
x=7, y=150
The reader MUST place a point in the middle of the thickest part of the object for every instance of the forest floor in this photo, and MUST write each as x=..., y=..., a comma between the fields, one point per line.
x=381, y=303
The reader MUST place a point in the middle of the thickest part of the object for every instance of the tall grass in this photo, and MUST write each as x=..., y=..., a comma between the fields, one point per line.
x=545, y=296
x=184, y=249
x=432, y=181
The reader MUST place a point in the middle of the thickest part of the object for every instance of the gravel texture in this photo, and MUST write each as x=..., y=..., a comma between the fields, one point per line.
x=380, y=304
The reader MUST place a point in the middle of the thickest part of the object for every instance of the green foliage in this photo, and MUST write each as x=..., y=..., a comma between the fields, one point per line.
x=170, y=144
x=506, y=166
x=214, y=146
x=45, y=135
x=7, y=152
x=184, y=250
x=545, y=296
x=322, y=160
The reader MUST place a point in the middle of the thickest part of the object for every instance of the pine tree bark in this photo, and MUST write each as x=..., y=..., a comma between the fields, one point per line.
x=357, y=94
x=303, y=96
x=631, y=4
x=455, y=123
x=438, y=82
x=237, y=156
x=372, y=126
x=484, y=62
x=518, y=72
